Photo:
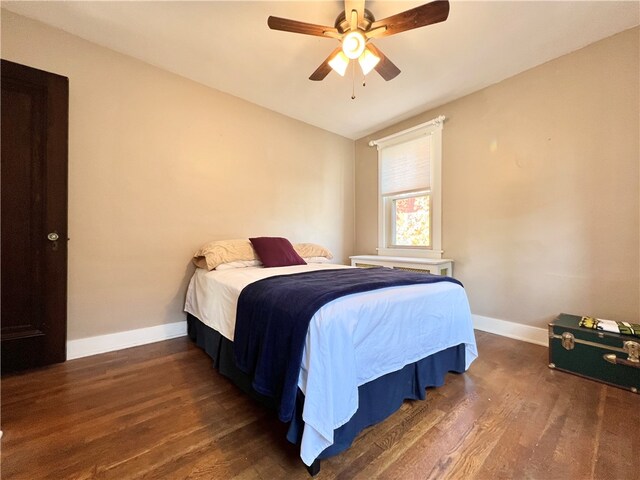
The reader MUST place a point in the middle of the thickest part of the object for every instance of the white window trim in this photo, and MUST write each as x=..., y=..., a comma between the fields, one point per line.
x=434, y=128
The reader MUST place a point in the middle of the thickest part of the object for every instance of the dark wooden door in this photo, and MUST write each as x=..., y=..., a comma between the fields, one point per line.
x=34, y=217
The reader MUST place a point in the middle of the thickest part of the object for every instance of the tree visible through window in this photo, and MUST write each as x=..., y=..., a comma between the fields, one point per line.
x=412, y=221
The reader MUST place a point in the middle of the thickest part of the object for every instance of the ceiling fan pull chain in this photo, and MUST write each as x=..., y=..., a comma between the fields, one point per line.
x=353, y=80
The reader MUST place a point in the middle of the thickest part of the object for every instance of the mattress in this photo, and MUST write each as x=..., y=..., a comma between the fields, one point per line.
x=351, y=340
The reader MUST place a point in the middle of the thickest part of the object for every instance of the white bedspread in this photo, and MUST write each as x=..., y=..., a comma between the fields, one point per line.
x=351, y=340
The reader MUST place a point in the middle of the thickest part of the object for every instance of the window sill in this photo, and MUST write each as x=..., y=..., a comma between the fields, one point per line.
x=410, y=252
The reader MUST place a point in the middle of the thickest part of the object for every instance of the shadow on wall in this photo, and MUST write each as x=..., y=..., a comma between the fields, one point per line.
x=175, y=307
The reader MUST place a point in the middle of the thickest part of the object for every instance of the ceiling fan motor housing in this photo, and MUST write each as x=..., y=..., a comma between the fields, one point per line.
x=342, y=24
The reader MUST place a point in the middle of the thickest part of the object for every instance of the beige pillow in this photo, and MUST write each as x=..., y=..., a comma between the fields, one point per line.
x=212, y=254
x=306, y=250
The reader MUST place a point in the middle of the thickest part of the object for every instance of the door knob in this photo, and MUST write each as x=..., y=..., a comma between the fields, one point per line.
x=53, y=236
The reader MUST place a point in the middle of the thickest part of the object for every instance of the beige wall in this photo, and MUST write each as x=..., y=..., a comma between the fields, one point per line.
x=540, y=188
x=159, y=164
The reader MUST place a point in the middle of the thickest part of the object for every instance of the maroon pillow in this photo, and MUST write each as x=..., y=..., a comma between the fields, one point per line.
x=276, y=252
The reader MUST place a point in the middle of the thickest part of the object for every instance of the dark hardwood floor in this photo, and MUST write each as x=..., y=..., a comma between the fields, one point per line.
x=162, y=412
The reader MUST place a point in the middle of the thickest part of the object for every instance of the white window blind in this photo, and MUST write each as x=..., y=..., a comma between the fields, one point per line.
x=405, y=167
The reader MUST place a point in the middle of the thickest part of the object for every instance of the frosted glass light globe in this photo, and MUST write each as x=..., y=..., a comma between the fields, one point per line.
x=353, y=44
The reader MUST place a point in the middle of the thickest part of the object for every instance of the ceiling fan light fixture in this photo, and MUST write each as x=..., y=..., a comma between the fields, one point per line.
x=339, y=63
x=355, y=26
x=353, y=44
x=368, y=61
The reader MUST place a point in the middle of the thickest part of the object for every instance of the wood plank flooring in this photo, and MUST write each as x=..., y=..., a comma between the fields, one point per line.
x=161, y=411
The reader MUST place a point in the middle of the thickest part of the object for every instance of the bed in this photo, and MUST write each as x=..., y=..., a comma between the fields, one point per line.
x=363, y=353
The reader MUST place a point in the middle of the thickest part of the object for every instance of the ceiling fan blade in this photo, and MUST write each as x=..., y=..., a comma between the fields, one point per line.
x=324, y=69
x=385, y=67
x=421, y=16
x=358, y=6
x=294, y=26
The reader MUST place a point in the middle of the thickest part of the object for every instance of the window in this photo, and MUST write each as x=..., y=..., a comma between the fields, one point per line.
x=409, y=191
x=410, y=221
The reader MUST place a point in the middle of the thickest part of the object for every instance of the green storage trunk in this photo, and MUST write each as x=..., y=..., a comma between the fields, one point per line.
x=606, y=357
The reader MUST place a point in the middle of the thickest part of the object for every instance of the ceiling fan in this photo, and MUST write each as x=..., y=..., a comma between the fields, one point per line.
x=355, y=27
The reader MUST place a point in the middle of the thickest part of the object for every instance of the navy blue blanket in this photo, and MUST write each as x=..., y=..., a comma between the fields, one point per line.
x=273, y=318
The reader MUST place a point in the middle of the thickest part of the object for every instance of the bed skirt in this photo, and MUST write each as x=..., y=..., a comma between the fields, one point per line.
x=376, y=399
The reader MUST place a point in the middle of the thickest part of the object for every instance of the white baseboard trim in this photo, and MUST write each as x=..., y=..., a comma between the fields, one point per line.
x=526, y=333
x=85, y=347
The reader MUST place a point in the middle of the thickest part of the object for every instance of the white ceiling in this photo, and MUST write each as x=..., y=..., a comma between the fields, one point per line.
x=228, y=46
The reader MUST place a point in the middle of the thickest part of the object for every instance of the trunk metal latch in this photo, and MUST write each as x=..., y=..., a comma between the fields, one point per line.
x=568, y=341
x=633, y=350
